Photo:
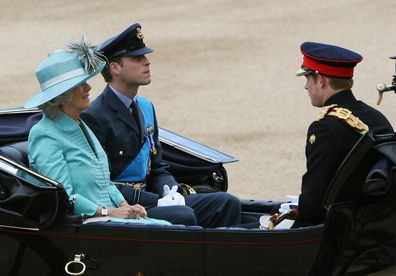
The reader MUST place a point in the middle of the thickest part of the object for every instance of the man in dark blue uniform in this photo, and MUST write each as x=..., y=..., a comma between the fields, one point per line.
x=329, y=70
x=126, y=126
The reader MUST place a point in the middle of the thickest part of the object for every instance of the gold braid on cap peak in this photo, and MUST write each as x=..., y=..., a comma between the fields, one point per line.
x=345, y=115
x=86, y=53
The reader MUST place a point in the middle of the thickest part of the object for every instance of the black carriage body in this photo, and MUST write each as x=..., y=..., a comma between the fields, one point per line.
x=351, y=229
x=117, y=250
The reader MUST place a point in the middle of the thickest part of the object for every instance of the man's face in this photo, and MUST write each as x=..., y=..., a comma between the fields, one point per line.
x=134, y=70
x=315, y=91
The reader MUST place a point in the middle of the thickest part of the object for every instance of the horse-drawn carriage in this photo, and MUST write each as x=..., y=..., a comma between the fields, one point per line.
x=40, y=234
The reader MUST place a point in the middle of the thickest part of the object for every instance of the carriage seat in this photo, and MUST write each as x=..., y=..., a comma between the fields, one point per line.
x=16, y=152
x=361, y=209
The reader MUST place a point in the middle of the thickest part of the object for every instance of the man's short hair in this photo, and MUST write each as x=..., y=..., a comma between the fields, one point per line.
x=340, y=83
x=106, y=70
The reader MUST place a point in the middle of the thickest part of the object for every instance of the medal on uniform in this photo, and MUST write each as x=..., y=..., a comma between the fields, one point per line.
x=150, y=133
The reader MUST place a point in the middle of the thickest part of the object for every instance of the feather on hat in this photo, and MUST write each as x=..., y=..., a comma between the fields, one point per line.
x=63, y=70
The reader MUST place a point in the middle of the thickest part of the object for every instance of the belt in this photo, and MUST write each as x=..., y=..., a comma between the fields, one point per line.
x=137, y=186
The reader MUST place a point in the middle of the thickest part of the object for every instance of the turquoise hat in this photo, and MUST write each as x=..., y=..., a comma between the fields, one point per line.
x=64, y=70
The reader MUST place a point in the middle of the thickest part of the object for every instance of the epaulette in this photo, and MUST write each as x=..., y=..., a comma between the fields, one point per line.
x=343, y=114
x=324, y=111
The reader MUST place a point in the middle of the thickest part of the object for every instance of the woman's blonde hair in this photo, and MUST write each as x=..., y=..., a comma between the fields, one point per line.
x=55, y=106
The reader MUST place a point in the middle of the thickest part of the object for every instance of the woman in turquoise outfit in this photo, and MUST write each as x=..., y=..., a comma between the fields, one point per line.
x=61, y=145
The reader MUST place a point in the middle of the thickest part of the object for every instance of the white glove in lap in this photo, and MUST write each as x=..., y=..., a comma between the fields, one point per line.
x=171, y=197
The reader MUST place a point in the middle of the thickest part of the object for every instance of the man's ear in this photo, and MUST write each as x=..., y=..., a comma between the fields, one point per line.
x=323, y=81
x=114, y=68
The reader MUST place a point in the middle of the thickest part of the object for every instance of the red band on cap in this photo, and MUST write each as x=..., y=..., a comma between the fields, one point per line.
x=328, y=69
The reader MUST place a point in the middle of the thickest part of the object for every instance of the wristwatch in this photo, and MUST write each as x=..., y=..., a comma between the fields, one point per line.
x=104, y=212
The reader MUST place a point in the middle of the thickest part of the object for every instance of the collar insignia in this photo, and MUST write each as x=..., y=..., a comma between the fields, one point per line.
x=312, y=139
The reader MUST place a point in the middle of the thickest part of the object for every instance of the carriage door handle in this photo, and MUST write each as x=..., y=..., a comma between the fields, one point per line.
x=78, y=267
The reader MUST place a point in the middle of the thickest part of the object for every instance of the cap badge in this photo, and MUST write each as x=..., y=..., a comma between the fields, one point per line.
x=139, y=33
x=312, y=139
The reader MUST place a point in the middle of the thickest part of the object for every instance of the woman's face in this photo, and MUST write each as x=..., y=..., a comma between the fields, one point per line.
x=79, y=101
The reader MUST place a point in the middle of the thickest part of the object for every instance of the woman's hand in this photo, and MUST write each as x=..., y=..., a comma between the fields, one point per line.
x=128, y=211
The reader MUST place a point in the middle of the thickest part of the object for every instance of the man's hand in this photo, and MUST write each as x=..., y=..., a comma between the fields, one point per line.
x=171, y=197
x=276, y=218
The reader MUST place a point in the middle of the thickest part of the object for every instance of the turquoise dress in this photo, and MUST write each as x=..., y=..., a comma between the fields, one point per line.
x=68, y=152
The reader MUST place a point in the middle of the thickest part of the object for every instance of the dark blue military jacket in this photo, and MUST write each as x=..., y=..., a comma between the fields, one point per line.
x=328, y=142
x=118, y=132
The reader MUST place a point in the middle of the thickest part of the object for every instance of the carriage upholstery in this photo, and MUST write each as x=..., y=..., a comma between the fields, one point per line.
x=14, y=134
x=16, y=152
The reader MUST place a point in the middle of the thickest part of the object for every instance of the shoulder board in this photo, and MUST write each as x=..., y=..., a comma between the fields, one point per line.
x=324, y=111
x=347, y=116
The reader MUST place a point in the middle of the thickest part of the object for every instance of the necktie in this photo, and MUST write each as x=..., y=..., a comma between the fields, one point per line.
x=138, y=117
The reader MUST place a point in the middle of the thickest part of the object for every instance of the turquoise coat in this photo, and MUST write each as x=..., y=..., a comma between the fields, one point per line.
x=59, y=150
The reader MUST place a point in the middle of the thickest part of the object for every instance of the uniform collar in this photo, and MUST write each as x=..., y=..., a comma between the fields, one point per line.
x=124, y=99
x=115, y=103
x=340, y=97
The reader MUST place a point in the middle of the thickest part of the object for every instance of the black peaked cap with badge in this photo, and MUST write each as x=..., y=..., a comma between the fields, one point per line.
x=328, y=60
x=127, y=43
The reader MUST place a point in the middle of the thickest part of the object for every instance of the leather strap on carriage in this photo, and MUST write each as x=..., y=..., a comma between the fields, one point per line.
x=345, y=115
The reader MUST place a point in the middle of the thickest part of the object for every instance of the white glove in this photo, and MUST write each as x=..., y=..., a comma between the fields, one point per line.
x=171, y=197
x=292, y=201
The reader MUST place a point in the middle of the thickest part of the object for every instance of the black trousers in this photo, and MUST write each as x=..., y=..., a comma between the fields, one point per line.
x=218, y=209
